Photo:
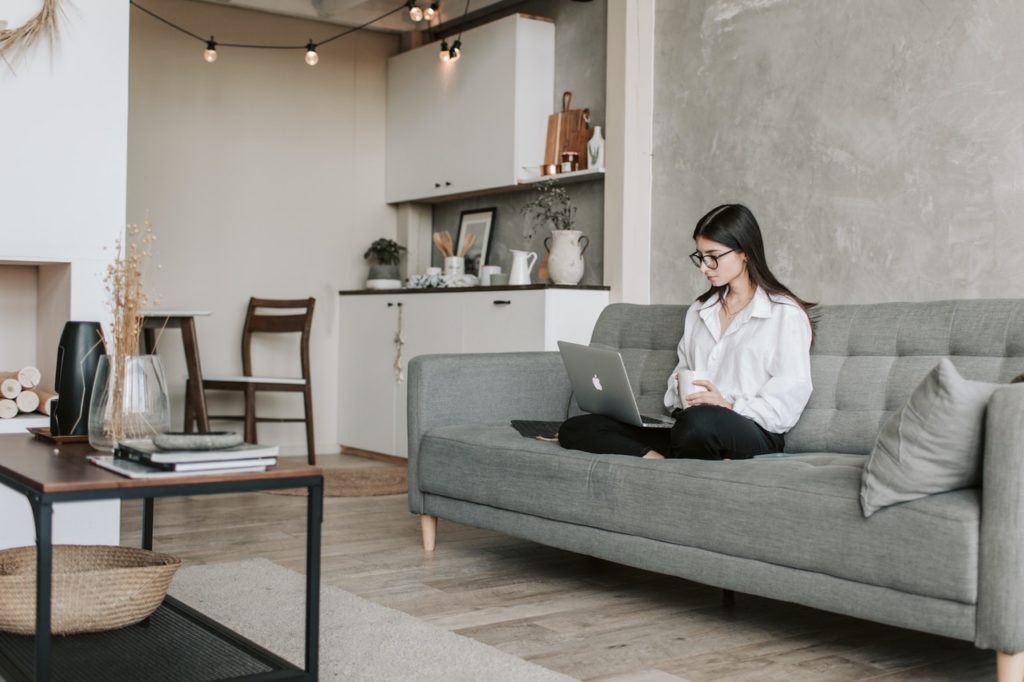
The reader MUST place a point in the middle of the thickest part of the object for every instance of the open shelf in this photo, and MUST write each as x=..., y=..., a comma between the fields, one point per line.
x=567, y=178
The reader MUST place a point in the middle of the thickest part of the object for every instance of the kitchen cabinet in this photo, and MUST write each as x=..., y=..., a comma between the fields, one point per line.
x=372, y=395
x=472, y=124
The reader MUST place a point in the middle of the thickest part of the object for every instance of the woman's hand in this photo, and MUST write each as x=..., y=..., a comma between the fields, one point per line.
x=709, y=397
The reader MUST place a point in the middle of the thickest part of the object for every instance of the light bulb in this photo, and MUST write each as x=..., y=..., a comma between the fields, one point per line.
x=443, y=55
x=210, y=53
x=415, y=13
x=429, y=12
x=311, y=56
x=456, y=50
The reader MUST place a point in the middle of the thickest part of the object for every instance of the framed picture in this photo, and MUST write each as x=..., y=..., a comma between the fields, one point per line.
x=474, y=240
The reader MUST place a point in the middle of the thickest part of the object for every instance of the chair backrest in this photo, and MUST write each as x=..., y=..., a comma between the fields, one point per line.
x=865, y=361
x=280, y=322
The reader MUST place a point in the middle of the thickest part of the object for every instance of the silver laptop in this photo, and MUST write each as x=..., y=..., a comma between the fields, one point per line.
x=601, y=385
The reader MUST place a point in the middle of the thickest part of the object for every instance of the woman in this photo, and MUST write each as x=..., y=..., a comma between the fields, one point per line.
x=749, y=334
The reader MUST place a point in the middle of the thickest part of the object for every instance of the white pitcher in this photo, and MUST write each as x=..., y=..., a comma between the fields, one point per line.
x=522, y=265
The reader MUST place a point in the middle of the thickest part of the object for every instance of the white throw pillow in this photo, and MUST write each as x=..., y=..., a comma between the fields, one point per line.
x=932, y=445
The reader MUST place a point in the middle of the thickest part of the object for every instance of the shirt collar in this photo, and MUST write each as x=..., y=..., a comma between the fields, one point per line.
x=760, y=305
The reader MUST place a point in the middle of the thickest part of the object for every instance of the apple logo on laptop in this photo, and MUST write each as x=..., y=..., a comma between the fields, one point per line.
x=597, y=383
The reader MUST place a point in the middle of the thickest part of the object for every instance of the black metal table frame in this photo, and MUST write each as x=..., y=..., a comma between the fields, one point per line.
x=42, y=511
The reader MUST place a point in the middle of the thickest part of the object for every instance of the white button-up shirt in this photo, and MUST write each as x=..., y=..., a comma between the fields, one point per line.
x=761, y=364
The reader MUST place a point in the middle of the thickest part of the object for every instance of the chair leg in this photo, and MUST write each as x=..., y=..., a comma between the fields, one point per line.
x=428, y=529
x=250, y=415
x=307, y=397
x=187, y=428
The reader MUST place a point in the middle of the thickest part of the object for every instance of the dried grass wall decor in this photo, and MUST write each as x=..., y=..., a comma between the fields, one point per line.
x=14, y=42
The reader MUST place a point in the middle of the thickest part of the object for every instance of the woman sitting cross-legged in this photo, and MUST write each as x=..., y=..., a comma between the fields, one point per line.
x=749, y=334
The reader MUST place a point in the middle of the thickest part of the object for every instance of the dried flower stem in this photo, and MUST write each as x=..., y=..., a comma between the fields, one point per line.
x=127, y=300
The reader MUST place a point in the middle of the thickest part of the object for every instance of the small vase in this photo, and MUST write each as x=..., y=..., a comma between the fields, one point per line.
x=565, y=264
x=595, y=150
x=129, y=400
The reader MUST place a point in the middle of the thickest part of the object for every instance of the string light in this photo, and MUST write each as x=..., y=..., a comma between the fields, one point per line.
x=429, y=12
x=210, y=53
x=415, y=13
x=311, y=56
x=456, y=50
x=444, y=55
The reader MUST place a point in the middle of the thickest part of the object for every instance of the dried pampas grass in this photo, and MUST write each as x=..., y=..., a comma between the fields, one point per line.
x=15, y=41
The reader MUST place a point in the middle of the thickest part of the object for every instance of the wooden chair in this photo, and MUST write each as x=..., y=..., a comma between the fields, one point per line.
x=249, y=384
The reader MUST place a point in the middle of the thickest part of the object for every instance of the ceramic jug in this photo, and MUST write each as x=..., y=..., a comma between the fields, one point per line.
x=565, y=264
x=522, y=264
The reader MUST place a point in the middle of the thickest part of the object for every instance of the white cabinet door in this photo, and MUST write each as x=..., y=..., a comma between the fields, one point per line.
x=465, y=126
x=503, y=321
x=367, y=384
x=431, y=324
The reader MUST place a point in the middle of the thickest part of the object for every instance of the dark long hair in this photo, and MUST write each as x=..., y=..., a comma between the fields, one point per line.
x=734, y=226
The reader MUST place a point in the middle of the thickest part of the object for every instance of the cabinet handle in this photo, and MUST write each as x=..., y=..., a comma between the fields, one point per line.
x=502, y=302
x=447, y=184
x=437, y=185
x=391, y=304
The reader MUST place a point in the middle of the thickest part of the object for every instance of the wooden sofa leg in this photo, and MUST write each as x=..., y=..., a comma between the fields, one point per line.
x=1009, y=667
x=428, y=527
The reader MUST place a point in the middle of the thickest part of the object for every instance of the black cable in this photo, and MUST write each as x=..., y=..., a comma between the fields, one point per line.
x=266, y=47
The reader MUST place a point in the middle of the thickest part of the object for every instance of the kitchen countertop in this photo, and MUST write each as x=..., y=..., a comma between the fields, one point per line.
x=452, y=290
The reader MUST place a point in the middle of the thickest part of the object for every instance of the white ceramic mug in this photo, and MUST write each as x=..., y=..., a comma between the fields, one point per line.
x=454, y=266
x=486, y=272
x=686, y=386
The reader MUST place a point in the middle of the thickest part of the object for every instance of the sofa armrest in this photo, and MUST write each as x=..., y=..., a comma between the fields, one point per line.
x=1000, y=615
x=480, y=388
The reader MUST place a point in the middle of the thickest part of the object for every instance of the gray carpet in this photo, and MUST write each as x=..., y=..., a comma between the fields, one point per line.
x=359, y=640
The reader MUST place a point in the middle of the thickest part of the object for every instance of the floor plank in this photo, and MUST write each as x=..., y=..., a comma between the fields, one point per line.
x=581, y=616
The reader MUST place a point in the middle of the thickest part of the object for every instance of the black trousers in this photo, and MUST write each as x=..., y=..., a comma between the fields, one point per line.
x=700, y=432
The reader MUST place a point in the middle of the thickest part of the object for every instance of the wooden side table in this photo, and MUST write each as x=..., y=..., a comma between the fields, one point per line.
x=154, y=321
x=46, y=475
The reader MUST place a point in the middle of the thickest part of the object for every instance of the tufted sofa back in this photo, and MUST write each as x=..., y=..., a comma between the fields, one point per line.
x=865, y=360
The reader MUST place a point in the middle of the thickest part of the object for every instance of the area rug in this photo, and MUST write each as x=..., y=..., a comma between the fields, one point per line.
x=359, y=482
x=359, y=640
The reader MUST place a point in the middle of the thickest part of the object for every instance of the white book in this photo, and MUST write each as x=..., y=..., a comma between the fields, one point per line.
x=145, y=449
x=131, y=469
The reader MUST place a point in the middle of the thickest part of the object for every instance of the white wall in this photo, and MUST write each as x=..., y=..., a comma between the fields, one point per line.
x=63, y=119
x=263, y=177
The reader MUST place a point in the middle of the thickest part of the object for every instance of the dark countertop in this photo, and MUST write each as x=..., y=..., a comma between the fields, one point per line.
x=453, y=290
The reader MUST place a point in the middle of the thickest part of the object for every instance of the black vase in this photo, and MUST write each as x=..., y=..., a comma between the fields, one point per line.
x=78, y=354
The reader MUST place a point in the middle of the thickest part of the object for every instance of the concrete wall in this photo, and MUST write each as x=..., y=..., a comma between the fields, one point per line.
x=878, y=142
x=264, y=177
x=580, y=50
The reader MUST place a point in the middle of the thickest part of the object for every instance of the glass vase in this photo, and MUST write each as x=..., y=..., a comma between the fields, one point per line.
x=129, y=400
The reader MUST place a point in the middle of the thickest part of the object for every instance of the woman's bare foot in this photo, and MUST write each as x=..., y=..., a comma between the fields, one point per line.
x=654, y=455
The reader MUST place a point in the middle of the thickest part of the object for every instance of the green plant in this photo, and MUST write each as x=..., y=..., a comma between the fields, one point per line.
x=551, y=206
x=384, y=252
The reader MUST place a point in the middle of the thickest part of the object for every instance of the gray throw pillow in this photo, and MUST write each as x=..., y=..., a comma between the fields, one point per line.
x=932, y=445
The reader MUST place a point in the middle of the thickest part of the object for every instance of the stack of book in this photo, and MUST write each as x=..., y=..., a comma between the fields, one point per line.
x=142, y=459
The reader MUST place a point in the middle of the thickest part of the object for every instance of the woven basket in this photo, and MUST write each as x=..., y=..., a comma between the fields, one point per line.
x=95, y=587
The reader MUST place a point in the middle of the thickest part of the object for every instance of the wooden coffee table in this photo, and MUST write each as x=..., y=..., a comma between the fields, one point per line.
x=47, y=474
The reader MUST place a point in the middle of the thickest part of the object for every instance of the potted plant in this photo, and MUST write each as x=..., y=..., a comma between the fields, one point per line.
x=384, y=255
x=552, y=206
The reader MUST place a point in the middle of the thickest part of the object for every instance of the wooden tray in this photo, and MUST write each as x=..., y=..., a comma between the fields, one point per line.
x=43, y=433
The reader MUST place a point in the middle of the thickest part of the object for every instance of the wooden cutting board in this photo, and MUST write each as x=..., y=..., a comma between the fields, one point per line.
x=568, y=131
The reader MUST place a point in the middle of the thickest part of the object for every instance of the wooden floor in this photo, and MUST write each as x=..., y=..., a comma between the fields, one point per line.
x=584, y=617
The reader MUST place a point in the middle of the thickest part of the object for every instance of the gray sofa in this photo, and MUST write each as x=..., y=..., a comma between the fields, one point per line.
x=788, y=528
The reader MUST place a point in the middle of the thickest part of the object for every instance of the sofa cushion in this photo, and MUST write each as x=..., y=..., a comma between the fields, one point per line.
x=802, y=512
x=932, y=445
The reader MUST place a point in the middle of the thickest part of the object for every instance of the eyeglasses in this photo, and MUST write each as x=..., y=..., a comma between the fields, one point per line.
x=708, y=259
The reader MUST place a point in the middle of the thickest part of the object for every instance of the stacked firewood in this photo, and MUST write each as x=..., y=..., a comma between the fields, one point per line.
x=20, y=392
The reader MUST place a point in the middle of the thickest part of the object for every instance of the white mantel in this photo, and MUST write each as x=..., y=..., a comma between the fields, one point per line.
x=65, y=115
